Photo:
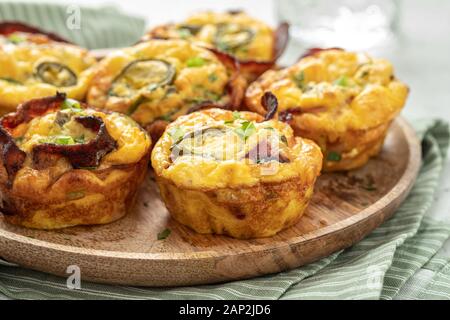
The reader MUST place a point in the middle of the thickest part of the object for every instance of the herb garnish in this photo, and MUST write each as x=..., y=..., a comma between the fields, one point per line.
x=71, y=104
x=299, y=79
x=184, y=33
x=64, y=140
x=334, y=156
x=195, y=62
x=164, y=234
x=246, y=130
x=16, y=39
x=177, y=134
x=342, y=81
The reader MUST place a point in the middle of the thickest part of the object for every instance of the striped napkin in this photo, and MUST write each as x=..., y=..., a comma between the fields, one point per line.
x=92, y=28
x=402, y=259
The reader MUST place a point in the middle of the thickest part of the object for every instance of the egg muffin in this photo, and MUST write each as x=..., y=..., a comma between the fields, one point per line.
x=64, y=164
x=344, y=101
x=234, y=173
x=252, y=42
x=35, y=65
x=156, y=81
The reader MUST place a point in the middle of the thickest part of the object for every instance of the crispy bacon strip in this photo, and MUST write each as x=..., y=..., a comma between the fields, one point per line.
x=12, y=157
x=79, y=155
x=9, y=27
x=314, y=51
x=32, y=109
x=270, y=102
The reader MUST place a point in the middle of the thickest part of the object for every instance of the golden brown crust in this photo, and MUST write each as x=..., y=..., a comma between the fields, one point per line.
x=259, y=211
x=78, y=197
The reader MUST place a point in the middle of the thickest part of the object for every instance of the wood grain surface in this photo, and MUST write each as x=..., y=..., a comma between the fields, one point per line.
x=344, y=209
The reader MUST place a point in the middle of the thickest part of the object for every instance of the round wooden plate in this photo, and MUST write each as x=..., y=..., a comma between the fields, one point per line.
x=344, y=209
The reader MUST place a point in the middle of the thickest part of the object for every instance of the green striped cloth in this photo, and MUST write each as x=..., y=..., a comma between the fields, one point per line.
x=99, y=27
x=405, y=258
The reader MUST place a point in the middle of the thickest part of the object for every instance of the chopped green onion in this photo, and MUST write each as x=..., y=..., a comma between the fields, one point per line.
x=299, y=80
x=16, y=39
x=342, y=81
x=334, y=156
x=64, y=140
x=177, y=134
x=164, y=234
x=195, y=62
x=71, y=104
x=184, y=33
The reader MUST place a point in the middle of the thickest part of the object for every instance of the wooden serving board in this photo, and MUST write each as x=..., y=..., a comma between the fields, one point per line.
x=344, y=209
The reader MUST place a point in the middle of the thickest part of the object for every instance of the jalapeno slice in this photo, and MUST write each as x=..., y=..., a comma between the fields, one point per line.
x=230, y=37
x=56, y=74
x=149, y=74
x=219, y=143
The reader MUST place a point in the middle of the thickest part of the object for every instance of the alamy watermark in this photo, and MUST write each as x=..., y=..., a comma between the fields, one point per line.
x=73, y=21
x=73, y=281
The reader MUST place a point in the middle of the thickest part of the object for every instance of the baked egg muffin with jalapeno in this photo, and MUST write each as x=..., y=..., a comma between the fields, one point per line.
x=252, y=42
x=344, y=101
x=235, y=173
x=154, y=82
x=64, y=164
x=36, y=65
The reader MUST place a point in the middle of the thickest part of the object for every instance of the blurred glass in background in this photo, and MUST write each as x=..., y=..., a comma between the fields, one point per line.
x=349, y=24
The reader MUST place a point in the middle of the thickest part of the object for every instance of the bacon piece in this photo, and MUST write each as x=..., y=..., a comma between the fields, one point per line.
x=79, y=155
x=12, y=157
x=314, y=51
x=263, y=152
x=270, y=103
x=9, y=27
x=32, y=109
